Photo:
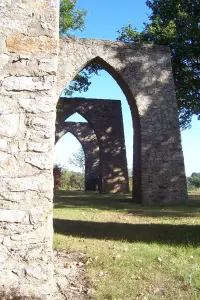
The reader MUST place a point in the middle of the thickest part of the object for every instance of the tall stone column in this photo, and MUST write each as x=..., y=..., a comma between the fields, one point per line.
x=28, y=56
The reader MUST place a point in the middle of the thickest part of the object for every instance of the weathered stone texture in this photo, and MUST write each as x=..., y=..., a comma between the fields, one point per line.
x=88, y=140
x=28, y=67
x=144, y=73
x=105, y=117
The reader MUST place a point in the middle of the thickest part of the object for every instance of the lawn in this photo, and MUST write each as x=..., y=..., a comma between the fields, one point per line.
x=132, y=251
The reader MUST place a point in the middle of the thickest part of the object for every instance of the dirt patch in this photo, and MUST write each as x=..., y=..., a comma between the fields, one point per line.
x=69, y=277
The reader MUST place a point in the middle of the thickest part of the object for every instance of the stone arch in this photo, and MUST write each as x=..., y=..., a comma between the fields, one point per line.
x=63, y=114
x=105, y=117
x=88, y=140
x=145, y=76
x=121, y=81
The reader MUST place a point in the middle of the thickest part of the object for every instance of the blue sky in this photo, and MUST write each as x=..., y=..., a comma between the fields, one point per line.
x=104, y=19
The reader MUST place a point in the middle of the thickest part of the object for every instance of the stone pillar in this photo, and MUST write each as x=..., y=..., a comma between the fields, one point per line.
x=28, y=55
x=113, y=150
x=105, y=117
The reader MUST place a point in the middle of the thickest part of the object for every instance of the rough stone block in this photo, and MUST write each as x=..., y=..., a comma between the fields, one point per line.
x=9, y=124
x=31, y=84
x=13, y=216
x=20, y=43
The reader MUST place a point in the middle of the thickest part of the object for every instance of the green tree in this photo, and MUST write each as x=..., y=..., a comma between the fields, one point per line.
x=72, y=180
x=175, y=23
x=70, y=17
x=78, y=159
x=194, y=180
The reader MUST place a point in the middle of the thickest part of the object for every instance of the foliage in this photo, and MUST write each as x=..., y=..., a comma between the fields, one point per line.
x=81, y=81
x=176, y=23
x=78, y=159
x=57, y=173
x=72, y=180
x=70, y=17
x=194, y=181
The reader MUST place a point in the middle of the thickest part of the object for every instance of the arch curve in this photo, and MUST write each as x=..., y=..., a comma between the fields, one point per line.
x=88, y=140
x=144, y=74
x=113, y=64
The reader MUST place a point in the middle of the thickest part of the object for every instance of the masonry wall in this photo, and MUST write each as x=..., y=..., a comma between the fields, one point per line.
x=105, y=117
x=144, y=74
x=88, y=140
x=28, y=67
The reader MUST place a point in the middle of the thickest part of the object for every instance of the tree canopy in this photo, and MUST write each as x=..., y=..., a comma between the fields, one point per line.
x=78, y=159
x=175, y=23
x=70, y=17
x=194, y=180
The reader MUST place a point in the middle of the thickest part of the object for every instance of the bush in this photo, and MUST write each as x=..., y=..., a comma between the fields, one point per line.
x=72, y=180
x=57, y=173
x=194, y=181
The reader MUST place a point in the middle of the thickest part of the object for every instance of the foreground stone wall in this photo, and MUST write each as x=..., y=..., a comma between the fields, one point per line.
x=88, y=140
x=105, y=117
x=145, y=76
x=28, y=56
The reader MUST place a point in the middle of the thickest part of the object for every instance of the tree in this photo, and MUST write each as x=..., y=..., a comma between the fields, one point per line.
x=81, y=81
x=194, y=180
x=175, y=23
x=72, y=180
x=78, y=159
x=70, y=17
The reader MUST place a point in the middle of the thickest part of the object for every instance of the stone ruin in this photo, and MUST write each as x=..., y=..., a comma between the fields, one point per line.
x=35, y=68
x=88, y=140
x=105, y=118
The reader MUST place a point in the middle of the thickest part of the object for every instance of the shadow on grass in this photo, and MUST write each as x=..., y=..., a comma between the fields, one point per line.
x=147, y=233
x=66, y=199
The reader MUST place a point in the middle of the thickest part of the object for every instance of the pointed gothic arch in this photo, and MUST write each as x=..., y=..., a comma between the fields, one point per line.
x=81, y=119
x=88, y=140
x=144, y=74
x=136, y=178
x=105, y=118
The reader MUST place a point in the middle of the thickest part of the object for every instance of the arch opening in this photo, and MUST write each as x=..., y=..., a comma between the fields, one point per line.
x=73, y=167
x=136, y=175
x=87, y=138
x=76, y=117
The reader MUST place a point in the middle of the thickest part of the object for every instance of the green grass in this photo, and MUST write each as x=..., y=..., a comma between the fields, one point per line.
x=132, y=251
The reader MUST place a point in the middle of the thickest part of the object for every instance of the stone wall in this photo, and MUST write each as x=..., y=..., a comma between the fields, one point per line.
x=144, y=74
x=105, y=117
x=88, y=140
x=28, y=56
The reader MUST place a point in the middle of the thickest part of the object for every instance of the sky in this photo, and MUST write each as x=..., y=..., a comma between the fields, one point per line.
x=104, y=19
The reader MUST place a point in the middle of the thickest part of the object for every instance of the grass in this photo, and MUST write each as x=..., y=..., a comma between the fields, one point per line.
x=132, y=251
